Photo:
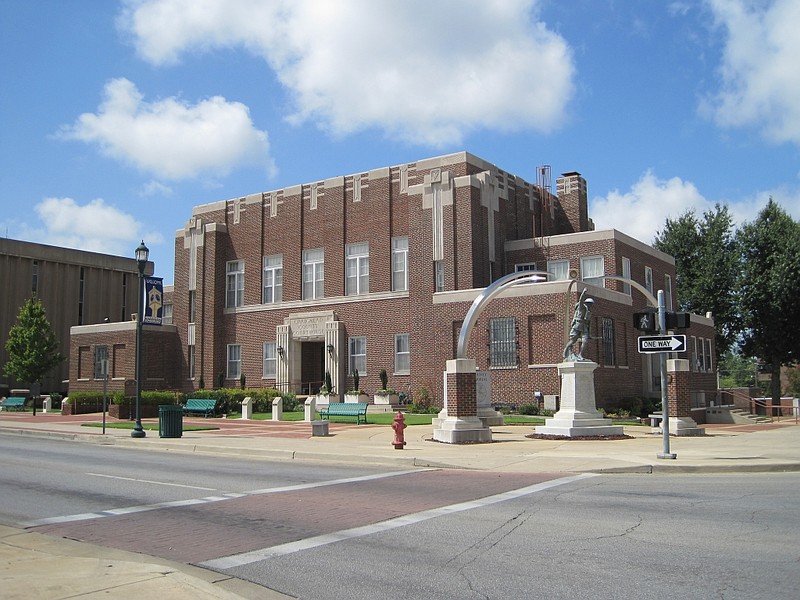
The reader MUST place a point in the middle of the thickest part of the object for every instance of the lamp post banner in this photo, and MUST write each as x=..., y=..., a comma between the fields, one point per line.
x=154, y=300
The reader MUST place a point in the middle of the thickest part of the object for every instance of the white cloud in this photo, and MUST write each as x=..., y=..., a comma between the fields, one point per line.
x=760, y=77
x=94, y=226
x=642, y=211
x=425, y=72
x=169, y=138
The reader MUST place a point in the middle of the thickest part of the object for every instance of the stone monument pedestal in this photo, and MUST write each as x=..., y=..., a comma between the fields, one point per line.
x=578, y=416
x=458, y=422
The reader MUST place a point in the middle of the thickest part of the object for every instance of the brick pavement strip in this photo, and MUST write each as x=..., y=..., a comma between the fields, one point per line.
x=198, y=533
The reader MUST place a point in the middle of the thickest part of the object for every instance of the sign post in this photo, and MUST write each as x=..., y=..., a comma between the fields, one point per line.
x=662, y=327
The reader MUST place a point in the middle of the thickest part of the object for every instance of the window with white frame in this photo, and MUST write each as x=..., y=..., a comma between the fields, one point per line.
x=558, y=269
x=503, y=342
x=695, y=355
x=358, y=355
x=708, y=355
x=234, y=361
x=609, y=357
x=402, y=355
x=192, y=355
x=626, y=273
x=270, y=366
x=592, y=270
x=648, y=279
x=524, y=267
x=438, y=275
x=272, y=290
x=313, y=274
x=399, y=264
x=100, y=361
x=235, y=284
x=357, y=269
x=192, y=306
x=166, y=314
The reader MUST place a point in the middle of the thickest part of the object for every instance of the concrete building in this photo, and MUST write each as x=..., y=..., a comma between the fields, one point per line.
x=75, y=287
x=376, y=270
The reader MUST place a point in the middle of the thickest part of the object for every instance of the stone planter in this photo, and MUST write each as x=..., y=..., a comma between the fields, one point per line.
x=352, y=397
x=387, y=398
x=324, y=399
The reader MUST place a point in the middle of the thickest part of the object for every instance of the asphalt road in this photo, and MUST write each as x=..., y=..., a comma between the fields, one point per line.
x=343, y=532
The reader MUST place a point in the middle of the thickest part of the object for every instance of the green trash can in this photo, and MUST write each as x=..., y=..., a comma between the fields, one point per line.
x=170, y=421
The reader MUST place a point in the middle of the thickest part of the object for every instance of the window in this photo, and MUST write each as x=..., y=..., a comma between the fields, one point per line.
x=648, y=279
x=313, y=274
x=272, y=291
x=708, y=354
x=124, y=315
x=192, y=355
x=609, y=358
x=503, y=342
x=668, y=292
x=695, y=356
x=626, y=273
x=270, y=360
x=192, y=306
x=234, y=361
x=166, y=315
x=559, y=269
x=592, y=270
x=357, y=269
x=438, y=275
x=81, y=294
x=100, y=361
x=399, y=264
x=402, y=356
x=35, y=277
x=358, y=355
x=524, y=267
x=235, y=284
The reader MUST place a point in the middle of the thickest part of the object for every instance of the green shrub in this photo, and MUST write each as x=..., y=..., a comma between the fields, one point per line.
x=528, y=409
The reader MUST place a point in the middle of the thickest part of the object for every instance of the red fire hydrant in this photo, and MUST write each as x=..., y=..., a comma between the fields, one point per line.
x=399, y=425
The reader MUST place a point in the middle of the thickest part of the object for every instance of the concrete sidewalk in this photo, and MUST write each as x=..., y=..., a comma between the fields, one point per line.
x=39, y=566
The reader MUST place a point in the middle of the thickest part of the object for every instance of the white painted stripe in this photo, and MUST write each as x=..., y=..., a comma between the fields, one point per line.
x=208, y=499
x=180, y=485
x=245, y=558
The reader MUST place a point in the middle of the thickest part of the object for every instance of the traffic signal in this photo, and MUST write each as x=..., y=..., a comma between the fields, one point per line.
x=646, y=321
x=678, y=320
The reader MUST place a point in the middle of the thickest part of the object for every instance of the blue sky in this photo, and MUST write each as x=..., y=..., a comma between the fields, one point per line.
x=117, y=117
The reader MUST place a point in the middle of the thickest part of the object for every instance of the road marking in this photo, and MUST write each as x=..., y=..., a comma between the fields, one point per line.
x=180, y=485
x=208, y=499
x=245, y=558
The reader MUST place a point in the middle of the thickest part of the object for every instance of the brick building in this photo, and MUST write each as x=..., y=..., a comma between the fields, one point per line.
x=75, y=287
x=376, y=270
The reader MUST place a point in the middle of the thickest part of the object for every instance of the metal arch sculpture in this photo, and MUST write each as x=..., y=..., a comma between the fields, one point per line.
x=490, y=292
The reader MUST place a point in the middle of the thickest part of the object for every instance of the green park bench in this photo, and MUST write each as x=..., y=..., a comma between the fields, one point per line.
x=201, y=406
x=13, y=403
x=344, y=409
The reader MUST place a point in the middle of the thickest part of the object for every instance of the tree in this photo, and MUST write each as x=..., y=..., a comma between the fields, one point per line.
x=31, y=345
x=736, y=370
x=769, y=290
x=707, y=266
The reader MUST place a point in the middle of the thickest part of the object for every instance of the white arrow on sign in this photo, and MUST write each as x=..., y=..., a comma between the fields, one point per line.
x=663, y=343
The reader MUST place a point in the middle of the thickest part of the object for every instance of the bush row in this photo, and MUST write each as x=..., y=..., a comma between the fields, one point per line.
x=228, y=400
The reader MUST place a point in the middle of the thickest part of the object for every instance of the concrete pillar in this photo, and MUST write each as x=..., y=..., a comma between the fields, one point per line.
x=310, y=409
x=247, y=408
x=681, y=422
x=277, y=408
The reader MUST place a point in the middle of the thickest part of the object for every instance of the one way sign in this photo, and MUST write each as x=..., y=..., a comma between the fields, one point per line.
x=662, y=343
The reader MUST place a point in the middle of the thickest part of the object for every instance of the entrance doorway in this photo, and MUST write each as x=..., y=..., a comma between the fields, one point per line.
x=312, y=367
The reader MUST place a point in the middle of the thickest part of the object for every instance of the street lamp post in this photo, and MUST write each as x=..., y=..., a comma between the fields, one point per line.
x=142, y=254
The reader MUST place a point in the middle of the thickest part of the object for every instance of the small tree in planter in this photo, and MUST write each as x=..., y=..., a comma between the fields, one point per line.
x=386, y=395
x=355, y=394
x=326, y=392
